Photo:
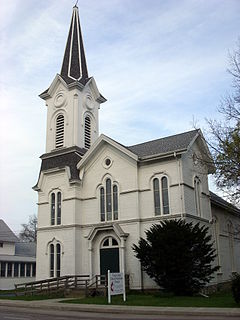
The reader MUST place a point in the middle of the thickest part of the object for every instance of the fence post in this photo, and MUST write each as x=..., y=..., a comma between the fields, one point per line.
x=75, y=281
x=15, y=290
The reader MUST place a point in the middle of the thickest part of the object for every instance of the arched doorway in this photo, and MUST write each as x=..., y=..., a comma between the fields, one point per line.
x=109, y=256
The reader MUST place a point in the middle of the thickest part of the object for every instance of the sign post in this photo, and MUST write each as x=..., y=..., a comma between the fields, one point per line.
x=116, y=285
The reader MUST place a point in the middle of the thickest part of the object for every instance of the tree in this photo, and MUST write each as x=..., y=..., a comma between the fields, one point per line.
x=29, y=230
x=177, y=255
x=224, y=140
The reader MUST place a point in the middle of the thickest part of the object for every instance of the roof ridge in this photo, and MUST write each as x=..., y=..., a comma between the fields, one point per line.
x=174, y=135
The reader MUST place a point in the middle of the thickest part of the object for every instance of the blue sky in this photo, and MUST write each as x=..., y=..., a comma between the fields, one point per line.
x=158, y=62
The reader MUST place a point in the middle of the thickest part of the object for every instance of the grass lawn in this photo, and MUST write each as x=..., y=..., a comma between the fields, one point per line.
x=10, y=295
x=219, y=300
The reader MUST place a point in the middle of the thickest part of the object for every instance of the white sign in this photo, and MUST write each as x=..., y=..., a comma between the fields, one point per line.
x=116, y=285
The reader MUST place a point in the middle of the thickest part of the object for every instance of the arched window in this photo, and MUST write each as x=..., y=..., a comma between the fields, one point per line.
x=51, y=260
x=161, y=203
x=165, y=201
x=59, y=196
x=56, y=208
x=109, y=201
x=109, y=242
x=102, y=204
x=58, y=266
x=156, y=193
x=55, y=260
x=87, y=132
x=59, y=131
x=197, y=195
x=115, y=202
x=52, y=208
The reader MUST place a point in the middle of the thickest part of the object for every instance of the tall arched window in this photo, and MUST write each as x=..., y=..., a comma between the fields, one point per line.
x=59, y=131
x=58, y=260
x=87, y=132
x=51, y=260
x=109, y=201
x=55, y=260
x=197, y=195
x=52, y=208
x=102, y=203
x=161, y=203
x=156, y=193
x=56, y=208
x=165, y=201
x=59, y=196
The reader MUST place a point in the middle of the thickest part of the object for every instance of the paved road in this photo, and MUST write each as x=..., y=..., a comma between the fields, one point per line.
x=15, y=313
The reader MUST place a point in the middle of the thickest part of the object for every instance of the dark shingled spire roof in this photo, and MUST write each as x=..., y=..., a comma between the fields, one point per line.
x=74, y=66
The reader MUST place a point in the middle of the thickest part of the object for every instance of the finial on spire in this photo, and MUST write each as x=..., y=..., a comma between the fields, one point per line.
x=76, y=3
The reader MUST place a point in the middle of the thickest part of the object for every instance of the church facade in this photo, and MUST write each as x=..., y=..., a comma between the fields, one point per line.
x=97, y=197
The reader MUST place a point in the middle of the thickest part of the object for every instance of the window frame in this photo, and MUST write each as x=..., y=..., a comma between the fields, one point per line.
x=55, y=259
x=56, y=207
x=197, y=196
x=159, y=194
x=109, y=200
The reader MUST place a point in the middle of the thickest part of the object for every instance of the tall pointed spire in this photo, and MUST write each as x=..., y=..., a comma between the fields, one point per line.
x=74, y=66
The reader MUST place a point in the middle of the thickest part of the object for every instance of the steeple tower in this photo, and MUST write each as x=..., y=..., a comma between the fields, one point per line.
x=73, y=99
x=74, y=66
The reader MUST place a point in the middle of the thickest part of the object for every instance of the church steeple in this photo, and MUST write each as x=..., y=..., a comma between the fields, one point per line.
x=73, y=99
x=74, y=66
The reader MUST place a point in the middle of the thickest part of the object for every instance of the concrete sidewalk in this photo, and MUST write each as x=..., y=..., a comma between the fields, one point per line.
x=53, y=304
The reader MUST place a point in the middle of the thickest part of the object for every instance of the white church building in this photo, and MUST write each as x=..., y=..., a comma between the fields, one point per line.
x=97, y=197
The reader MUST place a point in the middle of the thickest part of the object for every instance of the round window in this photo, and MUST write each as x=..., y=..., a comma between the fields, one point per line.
x=107, y=162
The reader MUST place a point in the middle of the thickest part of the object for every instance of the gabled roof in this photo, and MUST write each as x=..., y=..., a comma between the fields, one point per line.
x=6, y=234
x=220, y=202
x=177, y=142
x=25, y=249
x=74, y=66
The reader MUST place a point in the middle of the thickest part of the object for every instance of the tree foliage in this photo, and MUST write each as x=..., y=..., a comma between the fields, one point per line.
x=225, y=136
x=236, y=287
x=177, y=255
x=29, y=230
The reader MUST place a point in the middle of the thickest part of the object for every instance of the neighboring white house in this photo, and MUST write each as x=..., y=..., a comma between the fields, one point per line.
x=17, y=259
x=96, y=197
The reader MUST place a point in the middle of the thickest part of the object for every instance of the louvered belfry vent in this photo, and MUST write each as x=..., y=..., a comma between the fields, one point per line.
x=60, y=131
x=87, y=133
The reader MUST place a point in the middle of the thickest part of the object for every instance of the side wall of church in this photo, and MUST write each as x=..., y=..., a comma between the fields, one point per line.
x=193, y=167
x=226, y=233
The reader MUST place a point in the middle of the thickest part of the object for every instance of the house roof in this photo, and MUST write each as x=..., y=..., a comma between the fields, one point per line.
x=6, y=257
x=220, y=202
x=25, y=249
x=6, y=234
x=173, y=143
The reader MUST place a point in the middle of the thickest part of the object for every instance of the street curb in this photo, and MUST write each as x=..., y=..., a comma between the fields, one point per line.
x=189, y=311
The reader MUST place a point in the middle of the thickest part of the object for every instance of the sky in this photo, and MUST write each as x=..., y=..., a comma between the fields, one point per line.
x=161, y=64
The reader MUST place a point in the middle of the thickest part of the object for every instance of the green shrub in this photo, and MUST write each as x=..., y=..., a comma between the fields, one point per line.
x=236, y=287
